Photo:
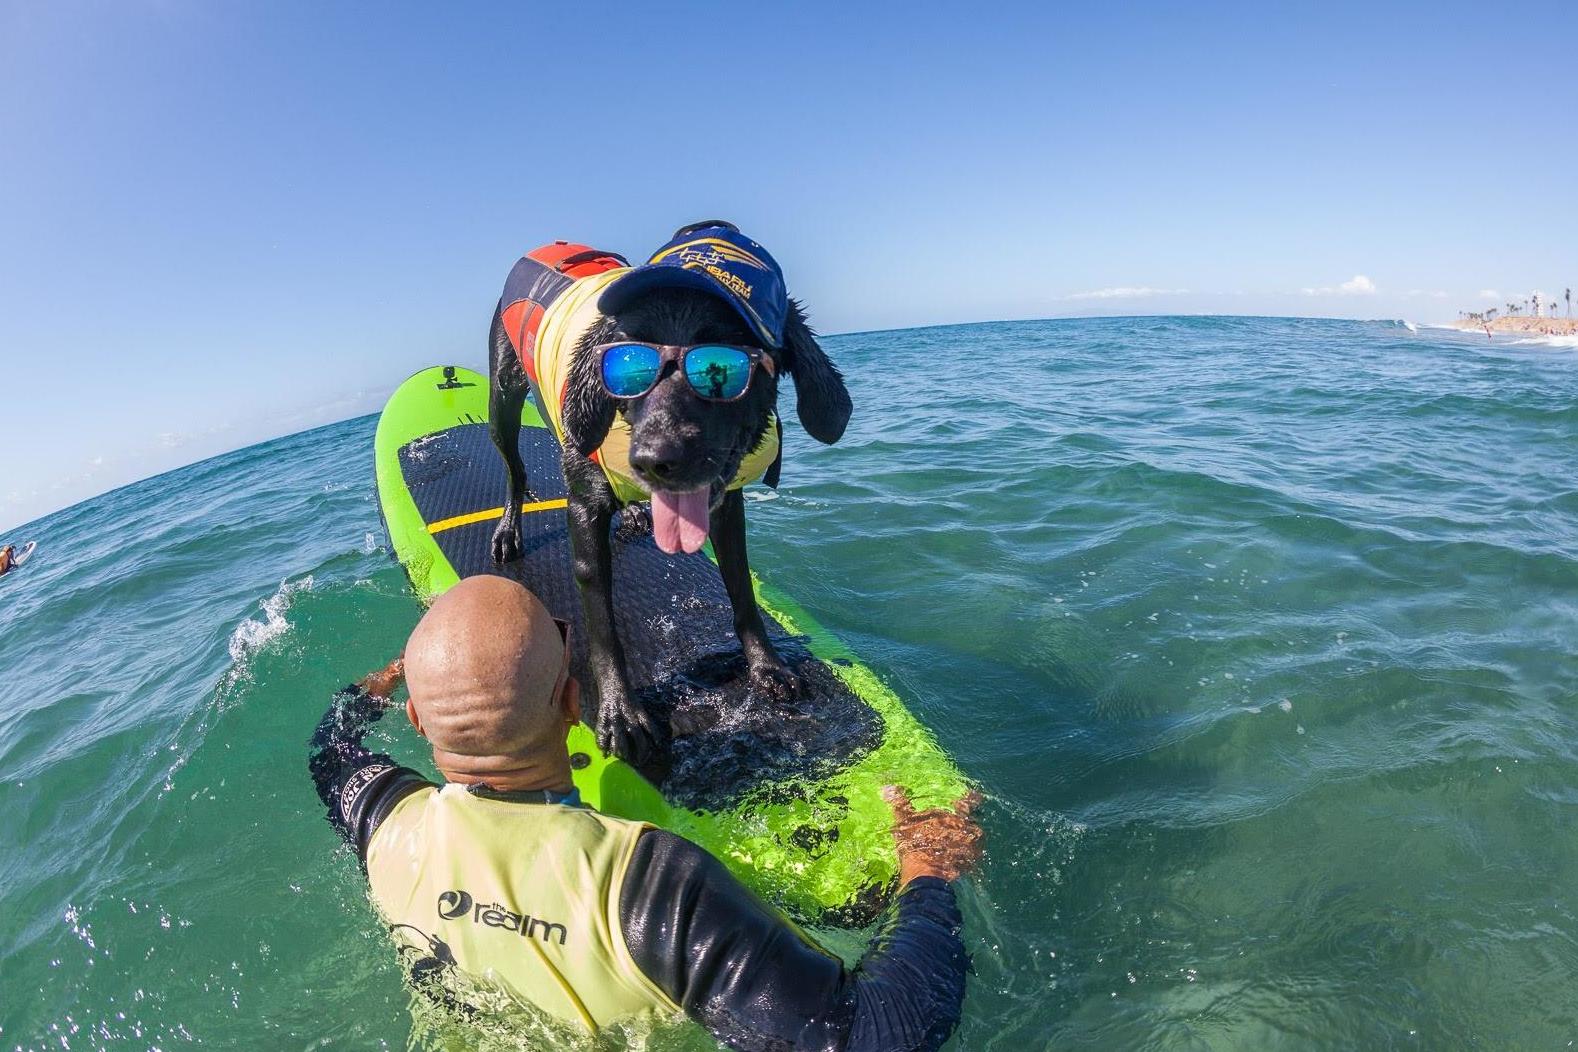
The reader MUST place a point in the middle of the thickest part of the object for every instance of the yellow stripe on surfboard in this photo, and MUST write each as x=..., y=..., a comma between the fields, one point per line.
x=492, y=513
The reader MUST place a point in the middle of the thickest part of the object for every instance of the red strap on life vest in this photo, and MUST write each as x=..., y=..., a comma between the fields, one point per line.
x=576, y=261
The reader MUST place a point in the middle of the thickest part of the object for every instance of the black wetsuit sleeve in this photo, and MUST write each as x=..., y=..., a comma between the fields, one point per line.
x=358, y=787
x=743, y=972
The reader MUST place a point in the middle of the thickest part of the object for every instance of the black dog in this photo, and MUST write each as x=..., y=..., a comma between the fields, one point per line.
x=708, y=286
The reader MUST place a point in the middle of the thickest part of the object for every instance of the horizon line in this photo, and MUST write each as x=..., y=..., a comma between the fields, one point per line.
x=383, y=395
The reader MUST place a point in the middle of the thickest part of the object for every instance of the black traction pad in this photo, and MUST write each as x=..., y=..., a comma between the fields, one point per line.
x=674, y=620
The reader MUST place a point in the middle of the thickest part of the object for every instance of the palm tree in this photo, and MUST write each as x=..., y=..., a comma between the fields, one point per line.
x=1569, y=303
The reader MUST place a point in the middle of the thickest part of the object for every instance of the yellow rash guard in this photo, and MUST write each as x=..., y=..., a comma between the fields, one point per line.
x=547, y=335
x=524, y=895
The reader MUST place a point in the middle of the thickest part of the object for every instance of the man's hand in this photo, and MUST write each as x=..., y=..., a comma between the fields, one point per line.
x=384, y=682
x=938, y=843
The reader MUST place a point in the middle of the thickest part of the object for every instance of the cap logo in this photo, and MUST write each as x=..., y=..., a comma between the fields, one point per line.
x=733, y=282
x=713, y=255
x=712, y=249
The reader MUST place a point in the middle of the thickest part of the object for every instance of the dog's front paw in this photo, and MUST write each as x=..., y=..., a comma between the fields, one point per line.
x=506, y=542
x=774, y=682
x=628, y=731
x=635, y=522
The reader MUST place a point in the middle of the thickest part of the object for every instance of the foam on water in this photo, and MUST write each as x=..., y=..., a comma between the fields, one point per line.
x=253, y=634
x=1547, y=341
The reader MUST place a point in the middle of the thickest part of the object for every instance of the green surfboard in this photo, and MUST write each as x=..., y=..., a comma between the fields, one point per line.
x=787, y=794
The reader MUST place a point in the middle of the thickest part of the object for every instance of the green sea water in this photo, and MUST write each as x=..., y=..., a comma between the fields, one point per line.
x=1260, y=635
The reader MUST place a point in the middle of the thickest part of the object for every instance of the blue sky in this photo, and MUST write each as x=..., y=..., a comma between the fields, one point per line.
x=222, y=221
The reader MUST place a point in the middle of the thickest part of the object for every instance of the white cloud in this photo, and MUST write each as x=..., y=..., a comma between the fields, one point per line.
x=1358, y=285
x=1124, y=292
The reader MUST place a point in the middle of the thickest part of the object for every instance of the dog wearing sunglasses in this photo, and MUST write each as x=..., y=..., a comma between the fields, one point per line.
x=661, y=383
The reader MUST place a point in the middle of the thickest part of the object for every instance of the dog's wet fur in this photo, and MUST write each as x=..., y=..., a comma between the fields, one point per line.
x=679, y=441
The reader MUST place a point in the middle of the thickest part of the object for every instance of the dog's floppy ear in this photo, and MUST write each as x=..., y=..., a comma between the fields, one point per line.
x=821, y=400
x=588, y=411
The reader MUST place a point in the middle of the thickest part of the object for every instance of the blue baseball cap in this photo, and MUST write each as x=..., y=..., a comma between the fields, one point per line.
x=713, y=257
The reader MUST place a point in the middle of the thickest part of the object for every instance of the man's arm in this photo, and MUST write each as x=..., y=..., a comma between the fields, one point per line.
x=358, y=787
x=741, y=970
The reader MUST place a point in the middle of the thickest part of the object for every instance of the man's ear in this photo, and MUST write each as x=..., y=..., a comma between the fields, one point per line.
x=588, y=411
x=571, y=703
x=410, y=714
x=821, y=400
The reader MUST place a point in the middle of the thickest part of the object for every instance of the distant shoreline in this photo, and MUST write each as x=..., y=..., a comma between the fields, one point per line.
x=1522, y=326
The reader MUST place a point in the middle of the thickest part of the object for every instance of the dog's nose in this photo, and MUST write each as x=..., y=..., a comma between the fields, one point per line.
x=658, y=461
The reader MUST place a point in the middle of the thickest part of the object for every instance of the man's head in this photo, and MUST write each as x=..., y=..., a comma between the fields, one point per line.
x=487, y=671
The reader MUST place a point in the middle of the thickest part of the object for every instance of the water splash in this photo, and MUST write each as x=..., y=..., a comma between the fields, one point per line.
x=254, y=634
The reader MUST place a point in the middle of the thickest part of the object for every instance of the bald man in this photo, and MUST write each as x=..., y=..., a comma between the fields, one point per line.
x=502, y=876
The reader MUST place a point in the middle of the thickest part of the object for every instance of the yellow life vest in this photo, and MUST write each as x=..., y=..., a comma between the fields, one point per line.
x=564, y=322
x=525, y=895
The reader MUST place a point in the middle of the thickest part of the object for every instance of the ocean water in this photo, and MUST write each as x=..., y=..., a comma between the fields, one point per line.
x=1260, y=635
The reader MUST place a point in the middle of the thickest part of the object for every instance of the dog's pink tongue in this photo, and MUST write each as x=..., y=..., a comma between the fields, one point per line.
x=679, y=520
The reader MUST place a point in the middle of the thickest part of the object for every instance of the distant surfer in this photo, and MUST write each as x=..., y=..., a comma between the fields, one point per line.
x=502, y=873
x=11, y=557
